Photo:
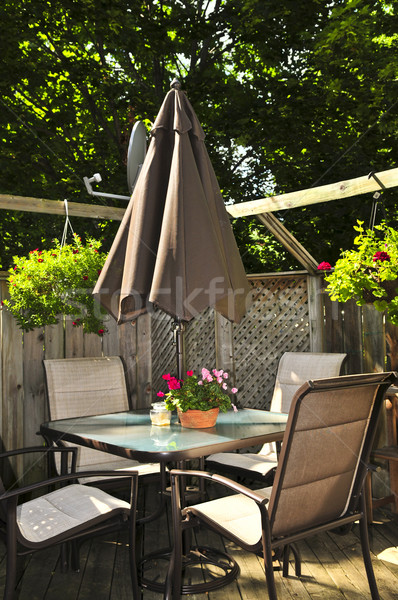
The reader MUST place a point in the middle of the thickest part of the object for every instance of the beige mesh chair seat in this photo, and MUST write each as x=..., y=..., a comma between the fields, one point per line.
x=66, y=514
x=318, y=483
x=294, y=369
x=91, y=386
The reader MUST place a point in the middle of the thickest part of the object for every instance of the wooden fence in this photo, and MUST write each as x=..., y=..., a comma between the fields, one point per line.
x=290, y=312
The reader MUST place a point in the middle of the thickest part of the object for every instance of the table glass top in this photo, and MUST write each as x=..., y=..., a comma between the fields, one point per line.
x=133, y=431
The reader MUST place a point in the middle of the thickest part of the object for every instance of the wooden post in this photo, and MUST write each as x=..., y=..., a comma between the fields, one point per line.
x=373, y=339
x=374, y=361
x=316, y=313
x=54, y=340
x=127, y=334
x=73, y=340
x=12, y=390
x=144, y=361
x=110, y=341
x=92, y=344
x=35, y=410
x=353, y=337
x=224, y=345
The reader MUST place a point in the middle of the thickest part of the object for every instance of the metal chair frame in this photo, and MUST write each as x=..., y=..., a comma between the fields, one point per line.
x=17, y=545
x=275, y=534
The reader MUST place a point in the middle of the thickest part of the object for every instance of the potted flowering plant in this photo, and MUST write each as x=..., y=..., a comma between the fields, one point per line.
x=198, y=397
x=47, y=284
x=368, y=273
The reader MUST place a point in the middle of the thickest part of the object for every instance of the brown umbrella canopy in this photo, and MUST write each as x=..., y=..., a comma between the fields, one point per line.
x=175, y=248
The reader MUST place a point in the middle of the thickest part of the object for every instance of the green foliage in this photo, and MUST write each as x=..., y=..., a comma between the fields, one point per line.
x=49, y=283
x=205, y=393
x=369, y=273
x=284, y=91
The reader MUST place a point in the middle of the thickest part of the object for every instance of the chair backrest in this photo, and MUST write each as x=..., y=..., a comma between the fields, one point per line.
x=86, y=386
x=326, y=447
x=295, y=368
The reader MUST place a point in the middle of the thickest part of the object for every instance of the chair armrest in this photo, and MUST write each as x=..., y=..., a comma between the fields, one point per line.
x=225, y=481
x=64, y=478
x=48, y=450
x=32, y=449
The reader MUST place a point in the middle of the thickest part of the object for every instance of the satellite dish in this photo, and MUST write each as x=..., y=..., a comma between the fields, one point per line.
x=135, y=154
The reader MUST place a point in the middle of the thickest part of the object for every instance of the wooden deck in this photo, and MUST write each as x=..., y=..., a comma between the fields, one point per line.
x=332, y=567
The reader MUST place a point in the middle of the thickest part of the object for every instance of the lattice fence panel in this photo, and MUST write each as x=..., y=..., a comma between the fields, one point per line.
x=277, y=322
x=200, y=344
x=163, y=350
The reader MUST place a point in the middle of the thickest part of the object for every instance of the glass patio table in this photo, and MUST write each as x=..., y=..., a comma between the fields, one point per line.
x=131, y=435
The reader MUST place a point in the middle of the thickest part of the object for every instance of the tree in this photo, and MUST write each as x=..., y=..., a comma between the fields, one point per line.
x=282, y=89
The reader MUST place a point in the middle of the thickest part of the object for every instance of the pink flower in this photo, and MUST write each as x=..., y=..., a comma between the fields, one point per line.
x=200, y=382
x=219, y=379
x=40, y=260
x=381, y=257
x=101, y=331
x=224, y=386
x=75, y=251
x=205, y=373
x=160, y=394
x=85, y=277
x=234, y=407
x=234, y=390
x=225, y=375
x=217, y=373
x=209, y=378
x=189, y=373
x=167, y=376
x=324, y=266
x=174, y=384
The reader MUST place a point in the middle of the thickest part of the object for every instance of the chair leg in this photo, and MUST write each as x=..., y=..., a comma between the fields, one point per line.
x=285, y=561
x=11, y=543
x=64, y=557
x=297, y=560
x=133, y=563
x=75, y=555
x=368, y=497
x=269, y=573
x=364, y=537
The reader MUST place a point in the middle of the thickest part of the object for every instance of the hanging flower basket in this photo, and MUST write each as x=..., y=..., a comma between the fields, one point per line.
x=48, y=284
x=368, y=273
x=389, y=292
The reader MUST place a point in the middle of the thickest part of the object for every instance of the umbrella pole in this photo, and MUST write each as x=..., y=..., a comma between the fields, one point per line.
x=178, y=332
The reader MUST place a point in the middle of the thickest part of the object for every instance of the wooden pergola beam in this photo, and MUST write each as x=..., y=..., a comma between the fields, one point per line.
x=56, y=207
x=324, y=193
x=289, y=241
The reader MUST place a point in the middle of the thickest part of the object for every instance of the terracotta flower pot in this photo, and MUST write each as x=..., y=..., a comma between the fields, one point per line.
x=198, y=419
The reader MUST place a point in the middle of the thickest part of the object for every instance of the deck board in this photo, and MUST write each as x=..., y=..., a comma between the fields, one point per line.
x=332, y=566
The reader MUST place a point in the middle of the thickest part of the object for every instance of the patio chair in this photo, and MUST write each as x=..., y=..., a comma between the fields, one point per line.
x=91, y=386
x=294, y=369
x=318, y=484
x=70, y=512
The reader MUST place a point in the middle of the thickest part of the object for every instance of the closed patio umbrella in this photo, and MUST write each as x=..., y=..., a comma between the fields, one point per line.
x=175, y=248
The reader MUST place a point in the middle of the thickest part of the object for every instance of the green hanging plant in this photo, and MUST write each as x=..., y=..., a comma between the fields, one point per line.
x=47, y=284
x=368, y=273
